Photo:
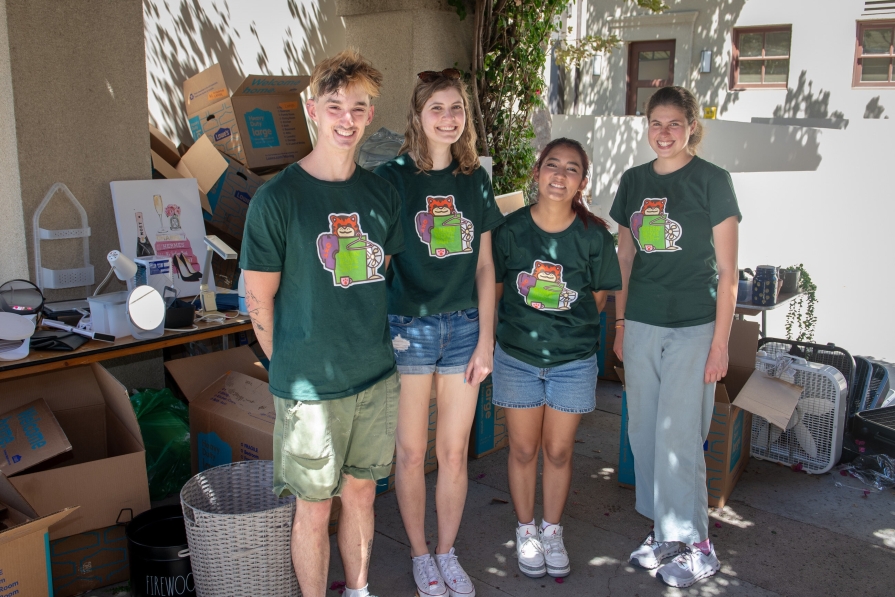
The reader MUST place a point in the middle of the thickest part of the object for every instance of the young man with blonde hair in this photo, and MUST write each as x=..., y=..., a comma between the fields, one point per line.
x=317, y=243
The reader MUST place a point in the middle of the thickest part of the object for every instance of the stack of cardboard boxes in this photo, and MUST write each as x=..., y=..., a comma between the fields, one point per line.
x=236, y=139
x=74, y=453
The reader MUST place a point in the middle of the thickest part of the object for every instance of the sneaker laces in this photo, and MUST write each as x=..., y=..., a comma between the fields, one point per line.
x=553, y=543
x=451, y=569
x=426, y=568
x=534, y=541
x=686, y=559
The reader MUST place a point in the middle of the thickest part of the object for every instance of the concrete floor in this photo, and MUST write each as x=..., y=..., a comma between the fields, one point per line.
x=782, y=533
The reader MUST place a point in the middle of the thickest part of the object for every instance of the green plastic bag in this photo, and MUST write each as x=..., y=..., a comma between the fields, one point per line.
x=165, y=425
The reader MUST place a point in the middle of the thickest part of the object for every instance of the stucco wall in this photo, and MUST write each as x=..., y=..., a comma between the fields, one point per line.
x=820, y=75
x=803, y=200
x=14, y=263
x=274, y=37
x=79, y=95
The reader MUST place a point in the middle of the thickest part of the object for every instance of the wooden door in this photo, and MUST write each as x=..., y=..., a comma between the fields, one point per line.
x=650, y=67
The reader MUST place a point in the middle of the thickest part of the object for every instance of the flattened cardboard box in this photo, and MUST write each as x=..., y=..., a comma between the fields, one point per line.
x=105, y=471
x=25, y=545
x=726, y=449
x=29, y=435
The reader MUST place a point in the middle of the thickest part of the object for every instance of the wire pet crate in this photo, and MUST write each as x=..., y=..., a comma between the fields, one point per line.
x=239, y=532
x=813, y=437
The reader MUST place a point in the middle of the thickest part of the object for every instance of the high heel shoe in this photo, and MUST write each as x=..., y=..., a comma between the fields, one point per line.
x=188, y=265
x=179, y=262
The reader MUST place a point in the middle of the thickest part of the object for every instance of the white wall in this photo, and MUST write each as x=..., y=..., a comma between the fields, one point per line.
x=805, y=198
x=272, y=37
x=822, y=54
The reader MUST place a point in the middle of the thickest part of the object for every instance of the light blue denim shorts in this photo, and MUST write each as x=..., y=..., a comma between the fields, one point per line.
x=441, y=343
x=568, y=388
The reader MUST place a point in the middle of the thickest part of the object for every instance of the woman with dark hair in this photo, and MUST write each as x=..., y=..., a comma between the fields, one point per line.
x=557, y=260
x=677, y=245
x=441, y=313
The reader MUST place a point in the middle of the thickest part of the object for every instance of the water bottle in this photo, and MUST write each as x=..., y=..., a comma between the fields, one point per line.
x=764, y=286
x=241, y=289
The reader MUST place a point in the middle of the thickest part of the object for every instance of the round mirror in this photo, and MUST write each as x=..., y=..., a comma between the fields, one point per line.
x=20, y=297
x=146, y=308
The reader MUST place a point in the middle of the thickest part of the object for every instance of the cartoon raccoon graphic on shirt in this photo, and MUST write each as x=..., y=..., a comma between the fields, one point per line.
x=653, y=229
x=346, y=252
x=444, y=228
x=544, y=289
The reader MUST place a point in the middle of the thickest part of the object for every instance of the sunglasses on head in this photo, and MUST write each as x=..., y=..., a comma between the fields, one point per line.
x=427, y=76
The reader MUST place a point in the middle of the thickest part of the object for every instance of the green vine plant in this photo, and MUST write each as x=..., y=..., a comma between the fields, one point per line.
x=511, y=44
x=800, y=318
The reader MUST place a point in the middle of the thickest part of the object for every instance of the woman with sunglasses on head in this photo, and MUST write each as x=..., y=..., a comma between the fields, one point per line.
x=554, y=263
x=441, y=305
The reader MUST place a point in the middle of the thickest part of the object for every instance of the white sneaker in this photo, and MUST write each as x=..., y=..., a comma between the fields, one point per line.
x=555, y=555
x=651, y=552
x=692, y=565
x=428, y=580
x=529, y=551
x=455, y=578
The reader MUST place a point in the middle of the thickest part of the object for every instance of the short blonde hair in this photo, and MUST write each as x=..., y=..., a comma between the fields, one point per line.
x=463, y=150
x=345, y=69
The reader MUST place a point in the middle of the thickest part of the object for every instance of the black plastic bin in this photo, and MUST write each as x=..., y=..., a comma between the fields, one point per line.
x=159, y=555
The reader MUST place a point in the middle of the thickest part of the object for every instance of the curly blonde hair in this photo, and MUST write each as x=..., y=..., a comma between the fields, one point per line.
x=463, y=150
x=343, y=70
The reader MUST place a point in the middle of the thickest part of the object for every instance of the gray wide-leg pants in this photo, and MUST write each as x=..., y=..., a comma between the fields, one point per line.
x=670, y=411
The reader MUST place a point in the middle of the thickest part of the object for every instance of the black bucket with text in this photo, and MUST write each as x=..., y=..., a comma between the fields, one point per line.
x=159, y=555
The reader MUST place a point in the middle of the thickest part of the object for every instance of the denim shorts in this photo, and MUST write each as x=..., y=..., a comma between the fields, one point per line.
x=441, y=343
x=568, y=388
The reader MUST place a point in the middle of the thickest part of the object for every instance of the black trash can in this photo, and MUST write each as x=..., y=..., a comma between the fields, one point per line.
x=159, y=555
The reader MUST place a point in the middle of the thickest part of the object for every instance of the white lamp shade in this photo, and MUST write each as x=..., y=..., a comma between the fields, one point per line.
x=124, y=267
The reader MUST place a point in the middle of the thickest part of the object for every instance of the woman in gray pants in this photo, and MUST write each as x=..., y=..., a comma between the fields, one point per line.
x=678, y=219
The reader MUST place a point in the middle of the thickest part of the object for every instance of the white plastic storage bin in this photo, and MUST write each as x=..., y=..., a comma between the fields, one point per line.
x=108, y=313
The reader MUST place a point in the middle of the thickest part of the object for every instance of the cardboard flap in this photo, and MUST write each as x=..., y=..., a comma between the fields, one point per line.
x=510, y=202
x=36, y=525
x=30, y=435
x=240, y=398
x=256, y=85
x=204, y=89
x=165, y=169
x=204, y=163
x=118, y=401
x=194, y=374
x=10, y=496
x=769, y=397
x=163, y=146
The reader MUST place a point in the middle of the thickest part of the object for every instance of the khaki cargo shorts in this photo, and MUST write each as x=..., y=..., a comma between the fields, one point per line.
x=316, y=442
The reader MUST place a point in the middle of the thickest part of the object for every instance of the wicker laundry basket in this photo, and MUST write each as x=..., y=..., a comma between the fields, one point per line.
x=238, y=532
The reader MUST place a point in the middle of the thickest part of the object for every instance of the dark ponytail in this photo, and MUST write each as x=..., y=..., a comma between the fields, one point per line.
x=578, y=205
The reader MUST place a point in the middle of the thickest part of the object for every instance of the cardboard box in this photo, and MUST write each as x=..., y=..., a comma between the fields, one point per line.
x=431, y=462
x=105, y=471
x=510, y=202
x=727, y=447
x=29, y=435
x=250, y=430
x=271, y=118
x=24, y=545
x=489, y=427
x=88, y=561
x=262, y=125
x=210, y=112
x=225, y=185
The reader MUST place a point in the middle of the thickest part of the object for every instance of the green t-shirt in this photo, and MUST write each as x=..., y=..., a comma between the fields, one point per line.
x=444, y=216
x=674, y=279
x=547, y=315
x=329, y=239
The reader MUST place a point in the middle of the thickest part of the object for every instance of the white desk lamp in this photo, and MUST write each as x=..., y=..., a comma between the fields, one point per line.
x=124, y=269
x=214, y=245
